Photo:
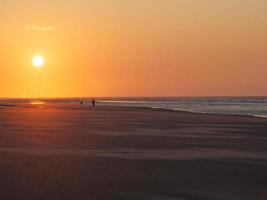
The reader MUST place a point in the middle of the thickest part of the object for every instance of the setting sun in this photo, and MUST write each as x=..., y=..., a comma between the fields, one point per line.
x=38, y=61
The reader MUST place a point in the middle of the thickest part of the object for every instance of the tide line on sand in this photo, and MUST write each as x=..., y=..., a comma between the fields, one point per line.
x=165, y=154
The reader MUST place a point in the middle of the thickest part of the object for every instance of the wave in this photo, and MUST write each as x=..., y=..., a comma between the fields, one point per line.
x=249, y=106
x=261, y=116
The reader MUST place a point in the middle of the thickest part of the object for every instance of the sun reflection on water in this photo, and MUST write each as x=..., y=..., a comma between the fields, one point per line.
x=37, y=103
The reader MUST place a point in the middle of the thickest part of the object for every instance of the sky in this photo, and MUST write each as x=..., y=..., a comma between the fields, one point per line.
x=133, y=48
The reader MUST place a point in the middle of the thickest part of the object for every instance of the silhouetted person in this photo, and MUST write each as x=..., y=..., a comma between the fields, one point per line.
x=81, y=102
x=93, y=102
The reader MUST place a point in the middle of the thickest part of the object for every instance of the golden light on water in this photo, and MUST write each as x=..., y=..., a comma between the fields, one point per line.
x=37, y=103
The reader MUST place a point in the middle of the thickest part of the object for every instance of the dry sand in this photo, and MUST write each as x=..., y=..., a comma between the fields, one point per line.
x=58, y=152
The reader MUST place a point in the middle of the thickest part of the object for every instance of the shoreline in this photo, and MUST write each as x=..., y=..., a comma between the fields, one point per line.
x=29, y=105
x=252, y=106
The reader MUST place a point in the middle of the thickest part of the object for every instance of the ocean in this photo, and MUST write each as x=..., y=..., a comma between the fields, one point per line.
x=252, y=106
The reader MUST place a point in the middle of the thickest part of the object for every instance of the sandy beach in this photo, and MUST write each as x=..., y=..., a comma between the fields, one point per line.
x=78, y=152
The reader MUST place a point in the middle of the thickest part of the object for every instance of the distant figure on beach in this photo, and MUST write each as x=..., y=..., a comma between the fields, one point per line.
x=81, y=102
x=93, y=102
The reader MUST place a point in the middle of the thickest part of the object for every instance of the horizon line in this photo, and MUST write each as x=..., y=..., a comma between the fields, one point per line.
x=84, y=97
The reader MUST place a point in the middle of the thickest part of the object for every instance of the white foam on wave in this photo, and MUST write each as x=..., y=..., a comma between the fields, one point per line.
x=261, y=116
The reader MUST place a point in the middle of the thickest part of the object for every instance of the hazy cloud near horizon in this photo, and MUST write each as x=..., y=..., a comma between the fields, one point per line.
x=47, y=28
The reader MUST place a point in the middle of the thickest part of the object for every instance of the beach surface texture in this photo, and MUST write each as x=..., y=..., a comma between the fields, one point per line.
x=77, y=152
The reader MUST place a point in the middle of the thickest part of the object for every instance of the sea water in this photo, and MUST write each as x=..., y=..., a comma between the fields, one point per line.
x=253, y=106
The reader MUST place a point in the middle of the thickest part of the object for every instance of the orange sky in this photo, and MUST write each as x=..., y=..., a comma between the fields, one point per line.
x=133, y=47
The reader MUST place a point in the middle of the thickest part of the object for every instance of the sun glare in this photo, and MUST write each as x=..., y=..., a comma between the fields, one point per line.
x=38, y=61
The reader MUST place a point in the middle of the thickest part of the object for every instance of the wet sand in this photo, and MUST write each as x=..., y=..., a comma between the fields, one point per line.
x=79, y=152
